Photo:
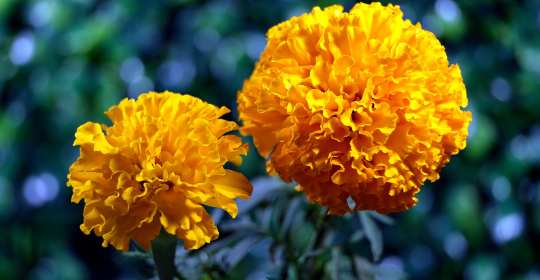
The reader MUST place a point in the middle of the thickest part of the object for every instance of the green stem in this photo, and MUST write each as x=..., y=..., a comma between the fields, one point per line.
x=163, y=251
x=321, y=222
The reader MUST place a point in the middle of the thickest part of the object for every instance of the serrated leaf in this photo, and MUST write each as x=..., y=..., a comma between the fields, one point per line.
x=373, y=235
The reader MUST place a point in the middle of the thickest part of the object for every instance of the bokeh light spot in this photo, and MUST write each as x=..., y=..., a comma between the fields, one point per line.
x=507, y=228
x=41, y=13
x=132, y=69
x=448, y=10
x=501, y=89
x=501, y=188
x=455, y=245
x=22, y=49
x=255, y=43
x=177, y=73
x=40, y=189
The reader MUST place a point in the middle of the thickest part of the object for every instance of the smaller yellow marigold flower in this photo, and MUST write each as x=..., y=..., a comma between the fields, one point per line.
x=156, y=167
x=360, y=105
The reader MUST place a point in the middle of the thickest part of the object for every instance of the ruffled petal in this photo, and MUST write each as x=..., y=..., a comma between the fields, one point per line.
x=156, y=167
x=360, y=104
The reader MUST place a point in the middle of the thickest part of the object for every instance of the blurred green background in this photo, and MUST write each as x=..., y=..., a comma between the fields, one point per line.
x=64, y=62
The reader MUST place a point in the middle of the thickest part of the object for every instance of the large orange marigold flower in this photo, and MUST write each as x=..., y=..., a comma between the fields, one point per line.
x=360, y=105
x=156, y=167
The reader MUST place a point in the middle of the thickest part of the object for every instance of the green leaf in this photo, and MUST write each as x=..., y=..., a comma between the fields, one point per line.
x=334, y=265
x=340, y=266
x=278, y=208
x=136, y=255
x=381, y=218
x=240, y=250
x=302, y=235
x=373, y=235
x=292, y=210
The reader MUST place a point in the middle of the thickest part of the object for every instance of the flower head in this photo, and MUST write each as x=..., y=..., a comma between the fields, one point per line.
x=360, y=105
x=156, y=167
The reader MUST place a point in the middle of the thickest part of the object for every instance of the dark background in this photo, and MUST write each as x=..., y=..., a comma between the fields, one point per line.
x=65, y=62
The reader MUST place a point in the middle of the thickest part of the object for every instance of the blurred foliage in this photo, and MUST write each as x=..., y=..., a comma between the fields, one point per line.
x=64, y=62
x=278, y=235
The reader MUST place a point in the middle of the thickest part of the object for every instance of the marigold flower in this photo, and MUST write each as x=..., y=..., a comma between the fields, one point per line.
x=360, y=105
x=156, y=167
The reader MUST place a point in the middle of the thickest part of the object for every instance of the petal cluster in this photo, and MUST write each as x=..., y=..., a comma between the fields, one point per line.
x=360, y=105
x=156, y=168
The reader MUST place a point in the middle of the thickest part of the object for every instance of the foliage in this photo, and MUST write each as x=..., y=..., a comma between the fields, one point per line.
x=65, y=62
x=279, y=235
